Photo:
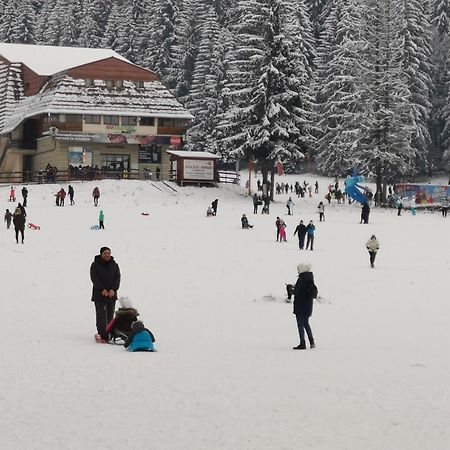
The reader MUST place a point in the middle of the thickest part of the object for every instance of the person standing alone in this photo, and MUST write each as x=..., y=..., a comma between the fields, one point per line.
x=310, y=229
x=96, y=195
x=305, y=292
x=101, y=219
x=71, y=193
x=373, y=246
x=19, y=224
x=105, y=277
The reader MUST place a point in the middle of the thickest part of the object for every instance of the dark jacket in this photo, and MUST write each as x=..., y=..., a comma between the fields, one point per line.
x=19, y=221
x=301, y=230
x=304, y=293
x=104, y=275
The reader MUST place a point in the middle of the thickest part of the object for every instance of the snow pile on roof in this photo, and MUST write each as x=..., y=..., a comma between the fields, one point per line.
x=67, y=95
x=48, y=60
x=193, y=154
x=11, y=89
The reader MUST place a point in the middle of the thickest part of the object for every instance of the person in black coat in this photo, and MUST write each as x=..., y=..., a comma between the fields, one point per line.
x=105, y=277
x=301, y=233
x=304, y=292
x=365, y=211
x=25, y=195
x=19, y=224
x=71, y=193
x=214, y=206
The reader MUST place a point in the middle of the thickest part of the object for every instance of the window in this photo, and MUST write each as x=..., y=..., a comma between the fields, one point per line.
x=92, y=118
x=88, y=82
x=111, y=120
x=115, y=162
x=147, y=121
x=128, y=120
x=165, y=122
x=139, y=84
x=73, y=118
x=109, y=84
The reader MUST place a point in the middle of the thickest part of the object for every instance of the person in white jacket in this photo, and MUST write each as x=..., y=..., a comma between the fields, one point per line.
x=373, y=246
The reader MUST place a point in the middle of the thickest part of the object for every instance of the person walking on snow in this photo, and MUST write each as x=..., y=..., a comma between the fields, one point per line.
x=19, y=224
x=96, y=195
x=214, y=206
x=321, y=211
x=8, y=218
x=101, y=218
x=24, y=195
x=12, y=194
x=62, y=196
x=277, y=224
x=310, y=229
x=305, y=292
x=300, y=230
x=283, y=231
x=105, y=277
x=444, y=205
x=255, y=203
x=71, y=193
x=290, y=206
x=373, y=246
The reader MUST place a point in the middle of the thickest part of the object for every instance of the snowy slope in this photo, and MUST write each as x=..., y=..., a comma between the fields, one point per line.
x=225, y=375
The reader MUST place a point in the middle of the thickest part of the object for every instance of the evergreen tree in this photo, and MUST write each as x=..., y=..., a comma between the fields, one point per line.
x=23, y=23
x=90, y=33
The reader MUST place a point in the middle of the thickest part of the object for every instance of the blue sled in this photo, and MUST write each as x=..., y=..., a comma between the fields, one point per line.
x=355, y=191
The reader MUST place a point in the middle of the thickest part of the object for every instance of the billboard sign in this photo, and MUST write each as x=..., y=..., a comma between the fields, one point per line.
x=199, y=169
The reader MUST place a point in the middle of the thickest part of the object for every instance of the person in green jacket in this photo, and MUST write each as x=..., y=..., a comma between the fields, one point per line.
x=101, y=218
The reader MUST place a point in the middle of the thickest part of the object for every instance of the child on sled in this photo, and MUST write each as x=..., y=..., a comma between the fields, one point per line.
x=120, y=326
x=141, y=339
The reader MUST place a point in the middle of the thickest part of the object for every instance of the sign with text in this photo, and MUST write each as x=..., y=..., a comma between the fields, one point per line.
x=198, y=169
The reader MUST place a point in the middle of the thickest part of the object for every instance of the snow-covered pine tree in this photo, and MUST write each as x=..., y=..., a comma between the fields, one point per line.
x=110, y=37
x=71, y=12
x=385, y=148
x=90, y=33
x=340, y=88
x=277, y=126
x=202, y=97
x=440, y=115
x=417, y=67
x=23, y=23
x=7, y=21
x=315, y=8
x=43, y=22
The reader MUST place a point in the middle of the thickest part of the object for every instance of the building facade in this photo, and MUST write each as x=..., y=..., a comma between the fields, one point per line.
x=79, y=107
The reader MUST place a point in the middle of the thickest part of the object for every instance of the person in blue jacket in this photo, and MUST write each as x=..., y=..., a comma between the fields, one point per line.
x=310, y=229
x=141, y=339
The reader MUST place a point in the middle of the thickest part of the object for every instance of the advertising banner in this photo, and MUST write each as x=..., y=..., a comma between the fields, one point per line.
x=422, y=194
x=80, y=156
x=198, y=169
x=115, y=138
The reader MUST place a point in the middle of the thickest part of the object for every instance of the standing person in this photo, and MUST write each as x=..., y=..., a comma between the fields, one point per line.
x=105, y=277
x=365, y=212
x=316, y=187
x=62, y=196
x=8, y=218
x=71, y=194
x=214, y=206
x=283, y=231
x=399, y=207
x=321, y=211
x=444, y=205
x=12, y=194
x=21, y=207
x=255, y=203
x=19, y=224
x=96, y=195
x=305, y=292
x=101, y=219
x=277, y=224
x=24, y=195
x=290, y=206
x=300, y=230
x=373, y=246
x=310, y=229
x=158, y=173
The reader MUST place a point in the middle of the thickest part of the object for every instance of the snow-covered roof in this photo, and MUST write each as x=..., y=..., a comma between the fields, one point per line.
x=199, y=155
x=67, y=95
x=48, y=60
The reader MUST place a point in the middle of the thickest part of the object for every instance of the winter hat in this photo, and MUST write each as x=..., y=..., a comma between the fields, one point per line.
x=303, y=267
x=103, y=249
x=137, y=325
x=125, y=302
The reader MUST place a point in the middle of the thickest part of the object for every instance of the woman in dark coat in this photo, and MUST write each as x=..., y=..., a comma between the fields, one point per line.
x=304, y=292
x=105, y=277
x=19, y=224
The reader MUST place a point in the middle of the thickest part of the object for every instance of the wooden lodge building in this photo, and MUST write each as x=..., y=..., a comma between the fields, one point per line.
x=67, y=106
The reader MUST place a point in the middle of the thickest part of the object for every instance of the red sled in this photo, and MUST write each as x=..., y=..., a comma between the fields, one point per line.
x=33, y=226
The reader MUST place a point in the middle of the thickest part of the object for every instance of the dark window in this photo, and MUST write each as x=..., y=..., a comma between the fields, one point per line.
x=93, y=118
x=147, y=121
x=88, y=82
x=111, y=120
x=139, y=84
x=115, y=162
x=165, y=122
x=73, y=118
x=129, y=120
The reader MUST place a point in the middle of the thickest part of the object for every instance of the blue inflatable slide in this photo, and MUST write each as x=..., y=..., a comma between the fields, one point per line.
x=354, y=190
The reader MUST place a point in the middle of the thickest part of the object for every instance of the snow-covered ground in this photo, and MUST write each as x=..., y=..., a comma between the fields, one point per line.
x=225, y=375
